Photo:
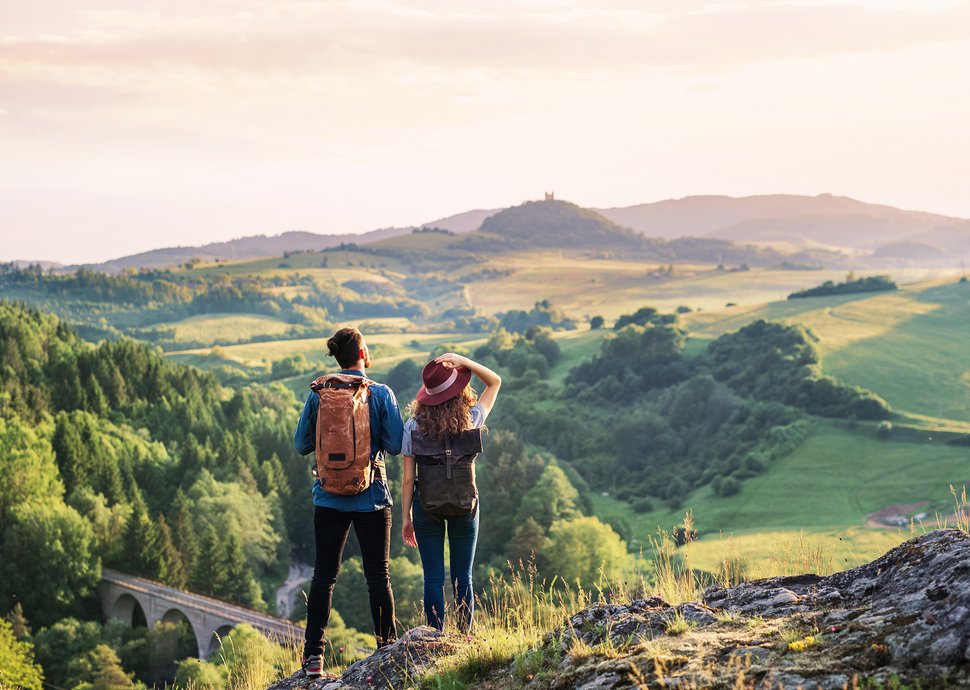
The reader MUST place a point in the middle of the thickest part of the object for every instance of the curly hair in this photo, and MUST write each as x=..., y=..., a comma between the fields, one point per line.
x=450, y=418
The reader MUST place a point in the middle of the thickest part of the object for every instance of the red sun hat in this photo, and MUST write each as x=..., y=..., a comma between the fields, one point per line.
x=441, y=383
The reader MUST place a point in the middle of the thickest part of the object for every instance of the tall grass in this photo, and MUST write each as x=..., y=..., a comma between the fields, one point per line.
x=799, y=555
x=512, y=617
x=961, y=509
x=519, y=611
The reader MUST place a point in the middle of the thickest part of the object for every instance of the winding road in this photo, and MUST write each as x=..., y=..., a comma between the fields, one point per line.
x=299, y=573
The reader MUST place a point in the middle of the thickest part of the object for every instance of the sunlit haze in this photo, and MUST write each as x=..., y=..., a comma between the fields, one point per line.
x=126, y=126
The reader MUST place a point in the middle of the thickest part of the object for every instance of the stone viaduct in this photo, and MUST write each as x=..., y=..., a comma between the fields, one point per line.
x=122, y=596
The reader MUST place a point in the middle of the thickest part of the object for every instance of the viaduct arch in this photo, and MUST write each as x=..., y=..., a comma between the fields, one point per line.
x=125, y=597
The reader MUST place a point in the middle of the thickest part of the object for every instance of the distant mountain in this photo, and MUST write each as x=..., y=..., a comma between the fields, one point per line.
x=915, y=252
x=559, y=224
x=714, y=225
x=825, y=219
x=953, y=238
x=243, y=248
x=468, y=221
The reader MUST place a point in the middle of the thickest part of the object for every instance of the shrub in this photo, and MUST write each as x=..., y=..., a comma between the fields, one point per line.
x=729, y=486
x=884, y=429
x=642, y=505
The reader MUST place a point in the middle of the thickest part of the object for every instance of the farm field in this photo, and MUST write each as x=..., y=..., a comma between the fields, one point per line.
x=584, y=286
x=384, y=347
x=223, y=327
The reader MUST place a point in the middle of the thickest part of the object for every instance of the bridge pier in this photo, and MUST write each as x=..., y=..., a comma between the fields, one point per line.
x=209, y=619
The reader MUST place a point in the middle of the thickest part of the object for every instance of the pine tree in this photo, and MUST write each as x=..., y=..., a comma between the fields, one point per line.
x=18, y=622
x=141, y=541
x=171, y=569
x=239, y=583
x=185, y=537
x=209, y=575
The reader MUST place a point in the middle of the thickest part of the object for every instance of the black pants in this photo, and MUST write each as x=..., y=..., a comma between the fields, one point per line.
x=331, y=528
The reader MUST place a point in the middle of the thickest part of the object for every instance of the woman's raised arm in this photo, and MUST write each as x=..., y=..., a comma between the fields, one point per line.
x=491, y=380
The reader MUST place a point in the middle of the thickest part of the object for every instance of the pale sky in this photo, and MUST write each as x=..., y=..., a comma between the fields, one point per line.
x=128, y=125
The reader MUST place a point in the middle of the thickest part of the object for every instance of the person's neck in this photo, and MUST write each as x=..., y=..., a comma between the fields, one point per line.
x=359, y=366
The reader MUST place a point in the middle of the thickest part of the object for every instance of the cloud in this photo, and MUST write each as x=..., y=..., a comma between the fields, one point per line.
x=310, y=38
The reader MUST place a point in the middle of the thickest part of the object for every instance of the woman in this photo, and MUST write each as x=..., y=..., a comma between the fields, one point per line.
x=446, y=406
x=369, y=512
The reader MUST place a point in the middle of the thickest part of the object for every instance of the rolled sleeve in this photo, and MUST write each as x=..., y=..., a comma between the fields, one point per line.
x=406, y=445
x=304, y=438
x=392, y=426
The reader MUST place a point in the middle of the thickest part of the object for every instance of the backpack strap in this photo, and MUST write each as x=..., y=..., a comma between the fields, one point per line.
x=448, y=458
x=377, y=467
x=333, y=382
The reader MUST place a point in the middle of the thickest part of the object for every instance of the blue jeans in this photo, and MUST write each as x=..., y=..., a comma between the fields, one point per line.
x=462, y=539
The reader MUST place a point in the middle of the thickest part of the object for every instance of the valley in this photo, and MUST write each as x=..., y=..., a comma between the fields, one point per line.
x=792, y=432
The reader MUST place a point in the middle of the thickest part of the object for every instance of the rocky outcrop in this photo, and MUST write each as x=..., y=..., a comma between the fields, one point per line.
x=398, y=665
x=904, y=618
x=900, y=621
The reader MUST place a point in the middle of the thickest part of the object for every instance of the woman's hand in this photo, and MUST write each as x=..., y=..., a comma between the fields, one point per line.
x=407, y=533
x=450, y=360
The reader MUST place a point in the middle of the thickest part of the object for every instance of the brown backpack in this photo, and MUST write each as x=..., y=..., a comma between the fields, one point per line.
x=343, y=463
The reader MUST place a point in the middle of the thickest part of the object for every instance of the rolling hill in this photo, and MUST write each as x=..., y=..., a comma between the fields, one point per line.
x=817, y=227
x=825, y=219
x=254, y=247
x=558, y=224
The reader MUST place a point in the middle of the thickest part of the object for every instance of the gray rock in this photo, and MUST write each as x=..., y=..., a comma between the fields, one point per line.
x=395, y=666
x=756, y=654
x=604, y=682
x=915, y=600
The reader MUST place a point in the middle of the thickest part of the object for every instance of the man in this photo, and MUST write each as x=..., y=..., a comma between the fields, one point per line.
x=369, y=511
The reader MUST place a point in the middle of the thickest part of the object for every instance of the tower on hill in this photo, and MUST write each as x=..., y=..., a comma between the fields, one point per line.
x=550, y=196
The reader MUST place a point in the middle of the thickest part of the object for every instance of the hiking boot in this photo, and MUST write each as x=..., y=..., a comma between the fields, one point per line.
x=313, y=666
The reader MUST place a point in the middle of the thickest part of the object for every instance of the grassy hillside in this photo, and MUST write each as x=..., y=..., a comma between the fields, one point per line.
x=909, y=346
x=823, y=490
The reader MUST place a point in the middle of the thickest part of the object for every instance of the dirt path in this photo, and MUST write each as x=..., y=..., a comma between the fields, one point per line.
x=299, y=573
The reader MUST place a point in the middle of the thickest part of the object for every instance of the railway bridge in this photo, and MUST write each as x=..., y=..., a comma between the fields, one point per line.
x=123, y=596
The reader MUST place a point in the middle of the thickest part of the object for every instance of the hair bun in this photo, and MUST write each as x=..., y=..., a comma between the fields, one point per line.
x=332, y=347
